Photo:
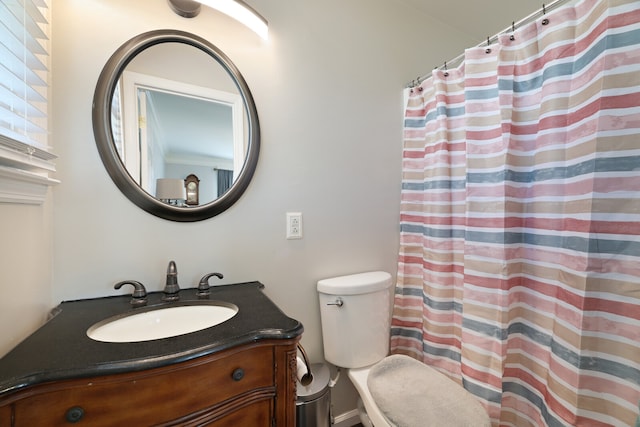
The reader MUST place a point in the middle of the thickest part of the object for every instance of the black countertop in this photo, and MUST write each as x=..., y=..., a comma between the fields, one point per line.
x=61, y=349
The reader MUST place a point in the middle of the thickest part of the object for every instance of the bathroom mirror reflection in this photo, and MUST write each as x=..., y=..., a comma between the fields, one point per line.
x=169, y=105
x=178, y=119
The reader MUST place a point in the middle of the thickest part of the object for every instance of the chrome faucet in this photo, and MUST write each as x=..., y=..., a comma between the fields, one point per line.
x=171, y=289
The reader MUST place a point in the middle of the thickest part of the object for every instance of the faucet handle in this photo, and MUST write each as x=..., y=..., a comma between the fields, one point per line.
x=203, y=286
x=139, y=295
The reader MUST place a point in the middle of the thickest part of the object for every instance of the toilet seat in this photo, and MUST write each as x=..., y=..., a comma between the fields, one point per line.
x=444, y=397
x=410, y=393
x=359, y=379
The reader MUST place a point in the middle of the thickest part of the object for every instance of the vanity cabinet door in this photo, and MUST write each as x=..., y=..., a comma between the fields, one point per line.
x=5, y=416
x=256, y=414
x=237, y=387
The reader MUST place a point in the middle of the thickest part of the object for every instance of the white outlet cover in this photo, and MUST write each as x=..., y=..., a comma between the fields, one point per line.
x=294, y=225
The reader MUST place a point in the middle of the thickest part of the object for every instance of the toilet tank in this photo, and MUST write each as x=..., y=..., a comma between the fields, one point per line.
x=355, y=313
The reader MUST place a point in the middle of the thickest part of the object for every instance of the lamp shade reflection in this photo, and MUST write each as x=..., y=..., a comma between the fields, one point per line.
x=171, y=190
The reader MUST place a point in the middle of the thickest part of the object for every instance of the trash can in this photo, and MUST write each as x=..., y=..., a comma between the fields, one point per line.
x=313, y=402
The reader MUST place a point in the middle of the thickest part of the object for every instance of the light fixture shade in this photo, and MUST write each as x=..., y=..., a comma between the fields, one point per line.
x=242, y=12
x=237, y=9
x=185, y=8
x=170, y=189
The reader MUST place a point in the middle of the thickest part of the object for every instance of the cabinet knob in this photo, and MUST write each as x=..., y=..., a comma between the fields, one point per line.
x=75, y=414
x=238, y=374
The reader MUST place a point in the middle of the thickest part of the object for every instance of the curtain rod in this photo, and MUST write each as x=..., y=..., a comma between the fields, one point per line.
x=458, y=59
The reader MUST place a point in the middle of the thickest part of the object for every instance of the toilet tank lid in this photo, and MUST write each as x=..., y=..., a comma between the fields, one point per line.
x=354, y=284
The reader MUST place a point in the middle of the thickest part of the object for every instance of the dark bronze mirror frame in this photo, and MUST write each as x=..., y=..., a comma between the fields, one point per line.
x=102, y=129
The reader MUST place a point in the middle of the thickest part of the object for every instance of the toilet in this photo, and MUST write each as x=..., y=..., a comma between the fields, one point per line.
x=355, y=312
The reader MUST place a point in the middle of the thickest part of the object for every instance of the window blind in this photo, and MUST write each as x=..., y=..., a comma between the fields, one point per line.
x=25, y=154
x=24, y=73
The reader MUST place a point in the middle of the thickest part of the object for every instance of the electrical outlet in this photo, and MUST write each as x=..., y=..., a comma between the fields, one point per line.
x=294, y=225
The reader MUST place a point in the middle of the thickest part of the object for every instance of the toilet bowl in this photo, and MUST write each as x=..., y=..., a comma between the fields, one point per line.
x=355, y=314
x=372, y=413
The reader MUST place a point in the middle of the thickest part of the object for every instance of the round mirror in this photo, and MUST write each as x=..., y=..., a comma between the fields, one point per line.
x=176, y=125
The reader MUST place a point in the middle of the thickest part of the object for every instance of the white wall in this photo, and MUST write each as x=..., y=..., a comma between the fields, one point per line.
x=25, y=254
x=328, y=88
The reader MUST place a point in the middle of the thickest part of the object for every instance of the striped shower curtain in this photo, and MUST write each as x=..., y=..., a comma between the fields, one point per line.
x=519, y=263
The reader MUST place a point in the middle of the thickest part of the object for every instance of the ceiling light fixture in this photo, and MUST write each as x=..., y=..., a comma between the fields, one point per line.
x=237, y=9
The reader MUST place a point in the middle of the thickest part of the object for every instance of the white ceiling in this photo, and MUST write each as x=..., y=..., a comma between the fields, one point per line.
x=188, y=127
x=477, y=18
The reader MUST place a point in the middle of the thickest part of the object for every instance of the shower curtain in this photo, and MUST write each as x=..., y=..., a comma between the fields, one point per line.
x=519, y=263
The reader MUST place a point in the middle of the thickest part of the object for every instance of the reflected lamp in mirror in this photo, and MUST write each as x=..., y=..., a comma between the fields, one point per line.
x=171, y=191
x=236, y=9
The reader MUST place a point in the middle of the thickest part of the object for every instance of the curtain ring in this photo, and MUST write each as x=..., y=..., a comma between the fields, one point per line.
x=512, y=37
x=446, y=73
x=416, y=83
x=488, y=49
x=545, y=21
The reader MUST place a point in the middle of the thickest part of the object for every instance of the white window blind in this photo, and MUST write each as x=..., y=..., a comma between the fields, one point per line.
x=25, y=156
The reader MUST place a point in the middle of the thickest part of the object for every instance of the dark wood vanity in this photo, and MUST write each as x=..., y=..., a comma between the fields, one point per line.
x=239, y=373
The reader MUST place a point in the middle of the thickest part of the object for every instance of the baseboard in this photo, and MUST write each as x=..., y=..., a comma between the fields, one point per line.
x=346, y=419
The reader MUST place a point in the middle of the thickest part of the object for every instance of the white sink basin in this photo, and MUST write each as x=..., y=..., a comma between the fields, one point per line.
x=161, y=323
